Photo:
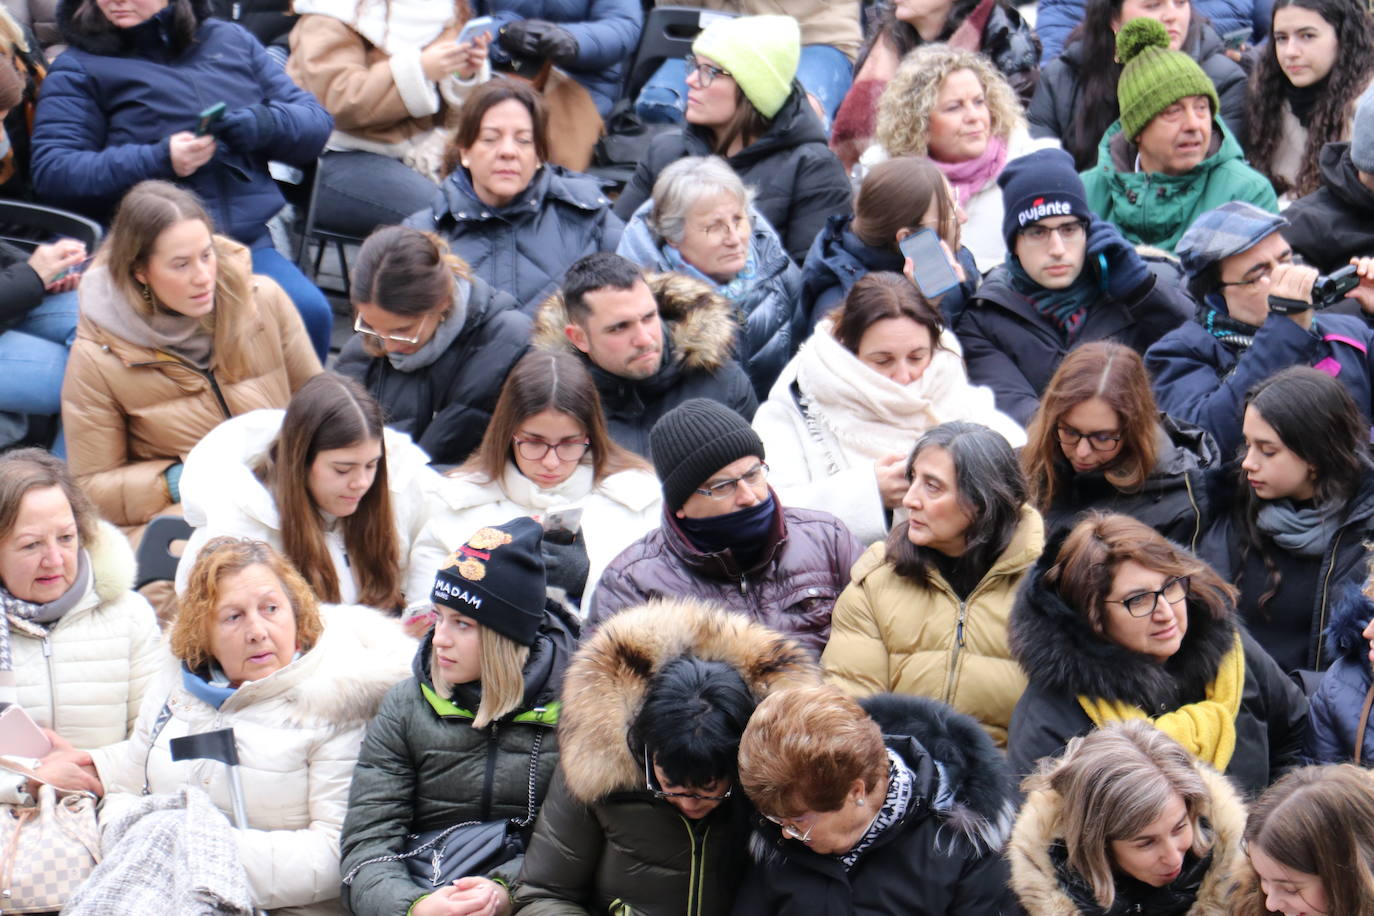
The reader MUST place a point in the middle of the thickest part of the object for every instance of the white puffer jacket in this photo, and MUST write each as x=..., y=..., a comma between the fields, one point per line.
x=298, y=732
x=221, y=496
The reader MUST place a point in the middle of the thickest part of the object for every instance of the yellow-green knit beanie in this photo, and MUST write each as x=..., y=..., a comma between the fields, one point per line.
x=1154, y=77
x=761, y=54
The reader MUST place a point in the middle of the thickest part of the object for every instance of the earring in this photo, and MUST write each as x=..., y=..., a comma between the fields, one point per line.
x=465, y=163
x=147, y=294
x=860, y=802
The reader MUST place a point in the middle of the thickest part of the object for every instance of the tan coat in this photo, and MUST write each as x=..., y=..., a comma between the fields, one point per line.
x=823, y=22
x=890, y=635
x=130, y=412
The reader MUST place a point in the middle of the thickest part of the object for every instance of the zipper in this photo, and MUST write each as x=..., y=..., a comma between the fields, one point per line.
x=490, y=775
x=958, y=648
x=696, y=871
x=1197, y=513
x=52, y=683
x=743, y=585
x=207, y=374
x=1321, y=611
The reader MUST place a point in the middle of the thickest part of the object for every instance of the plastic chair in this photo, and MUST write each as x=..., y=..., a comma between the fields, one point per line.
x=156, y=562
x=311, y=231
x=30, y=225
x=668, y=32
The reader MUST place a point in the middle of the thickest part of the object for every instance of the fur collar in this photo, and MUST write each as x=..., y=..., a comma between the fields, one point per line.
x=1036, y=883
x=113, y=566
x=700, y=323
x=605, y=684
x=1345, y=633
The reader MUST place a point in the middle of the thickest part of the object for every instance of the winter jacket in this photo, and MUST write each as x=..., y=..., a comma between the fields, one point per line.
x=1045, y=885
x=698, y=360
x=1334, y=717
x=1064, y=657
x=943, y=856
x=1056, y=19
x=445, y=406
x=112, y=100
x=21, y=289
x=424, y=767
x=1152, y=208
x=792, y=588
x=890, y=633
x=767, y=313
x=130, y=412
x=1336, y=222
x=607, y=33
x=1198, y=379
x=524, y=247
x=604, y=844
x=1054, y=111
x=222, y=495
x=838, y=259
x=1013, y=349
x=823, y=22
x=615, y=511
x=298, y=731
x=270, y=21
x=798, y=181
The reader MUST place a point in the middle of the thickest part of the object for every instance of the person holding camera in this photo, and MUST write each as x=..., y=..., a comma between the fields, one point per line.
x=1255, y=316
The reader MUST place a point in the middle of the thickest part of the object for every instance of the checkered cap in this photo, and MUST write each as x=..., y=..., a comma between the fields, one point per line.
x=1233, y=227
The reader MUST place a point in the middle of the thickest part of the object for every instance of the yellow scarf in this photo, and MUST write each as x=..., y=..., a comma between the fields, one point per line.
x=1207, y=729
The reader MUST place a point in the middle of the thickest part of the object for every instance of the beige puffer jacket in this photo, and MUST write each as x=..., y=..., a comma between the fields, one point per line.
x=888, y=634
x=298, y=732
x=130, y=412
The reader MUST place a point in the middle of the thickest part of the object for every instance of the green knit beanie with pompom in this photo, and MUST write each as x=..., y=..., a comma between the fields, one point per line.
x=1153, y=77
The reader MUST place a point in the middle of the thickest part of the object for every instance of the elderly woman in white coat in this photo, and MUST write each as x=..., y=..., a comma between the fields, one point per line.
x=546, y=454
x=878, y=372
x=297, y=682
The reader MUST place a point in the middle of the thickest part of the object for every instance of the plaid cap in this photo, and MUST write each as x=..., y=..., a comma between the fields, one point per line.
x=1233, y=227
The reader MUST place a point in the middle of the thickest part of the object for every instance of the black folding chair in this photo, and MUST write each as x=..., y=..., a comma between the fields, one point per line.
x=30, y=225
x=156, y=562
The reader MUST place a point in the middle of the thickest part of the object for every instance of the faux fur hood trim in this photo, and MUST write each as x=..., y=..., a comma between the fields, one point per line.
x=1036, y=881
x=113, y=565
x=1345, y=632
x=605, y=684
x=701, y=324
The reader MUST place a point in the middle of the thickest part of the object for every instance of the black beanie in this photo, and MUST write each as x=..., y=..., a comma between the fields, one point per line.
x=694, y=440
x=497, y=579
x=1040, y=185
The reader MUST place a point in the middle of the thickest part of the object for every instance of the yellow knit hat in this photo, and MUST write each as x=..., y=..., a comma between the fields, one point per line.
x=761, y=54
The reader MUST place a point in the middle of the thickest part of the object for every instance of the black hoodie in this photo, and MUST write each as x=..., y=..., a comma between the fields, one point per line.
x=1336, y=222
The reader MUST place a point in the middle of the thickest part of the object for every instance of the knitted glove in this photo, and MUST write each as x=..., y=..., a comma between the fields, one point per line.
x=535, y=38
x=245, y=130
x=1126, y=272
x=566, y=564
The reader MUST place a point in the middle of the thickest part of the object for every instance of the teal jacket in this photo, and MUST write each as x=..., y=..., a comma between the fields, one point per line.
x=1151, y=208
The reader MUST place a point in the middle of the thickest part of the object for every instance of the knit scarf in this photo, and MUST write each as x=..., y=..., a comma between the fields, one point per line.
x=1305, y=531
x=1206, y=729
x=900, y=788
x=732, y=291
x=163, y=331
x=1065, y=307
x=527, y=494
x=973, y=175
x=1211, y=314
x=34, y=620
x=445, y=334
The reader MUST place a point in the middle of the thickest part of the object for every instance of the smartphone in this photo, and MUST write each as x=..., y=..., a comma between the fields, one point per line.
x=20, y=736
x=564, y=520
x=207, y=118
x=930, y=268
x=474, y=27
x=1237, y=39
x=78, y=268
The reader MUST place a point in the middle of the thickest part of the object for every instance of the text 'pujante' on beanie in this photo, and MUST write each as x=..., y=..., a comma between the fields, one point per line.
x=1154, y=77
x=1362, y=134
x=497, y=579
x=760, y=53
x=1233, y=227
x=694, y=440
x=1037, y=186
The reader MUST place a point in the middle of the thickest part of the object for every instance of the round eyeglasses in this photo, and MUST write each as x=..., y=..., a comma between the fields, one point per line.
x=536, y=449
x=706, y=73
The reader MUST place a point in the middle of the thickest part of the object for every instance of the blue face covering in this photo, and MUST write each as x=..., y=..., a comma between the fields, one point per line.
x=743, y=533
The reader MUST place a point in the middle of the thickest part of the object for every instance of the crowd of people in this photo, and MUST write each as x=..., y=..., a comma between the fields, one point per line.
x=939, y=481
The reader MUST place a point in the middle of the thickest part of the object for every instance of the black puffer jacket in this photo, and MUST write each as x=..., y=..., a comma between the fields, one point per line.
x=445, y=406
x=424, y=767
x=1064, y=657
x=943, y=857
x=1336, y=222
x=21, y=289
x=1333, y=728
x=798, y=181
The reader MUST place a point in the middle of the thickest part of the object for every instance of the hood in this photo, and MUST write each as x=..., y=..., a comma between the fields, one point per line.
x=1202, y=41
x=1342, y=179
x=700, y=324
x=1351, y=613
x=459, y=203
x=605, y=684
x=110, y=40
x=1185, y=447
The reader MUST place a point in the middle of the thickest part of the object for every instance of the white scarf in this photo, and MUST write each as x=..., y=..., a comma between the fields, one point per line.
x=391, y=25
x=527, y=494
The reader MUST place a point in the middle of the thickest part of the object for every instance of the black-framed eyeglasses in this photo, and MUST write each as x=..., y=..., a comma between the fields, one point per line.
x=1071, y=231
x=658, y=792
x=726, y=488
x=1099, y=441
x=1143, y=604
x=536, y=449
x=706, y=73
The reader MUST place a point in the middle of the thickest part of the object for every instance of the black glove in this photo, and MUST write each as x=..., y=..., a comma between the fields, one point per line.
x=245, y=130
x=1126, y=272
x=565, y=563
x=535, y=38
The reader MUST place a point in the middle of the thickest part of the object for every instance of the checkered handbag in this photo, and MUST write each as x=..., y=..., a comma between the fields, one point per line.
x=47, y=850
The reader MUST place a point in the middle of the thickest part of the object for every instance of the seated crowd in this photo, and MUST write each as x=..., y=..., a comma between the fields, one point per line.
x=938, y=481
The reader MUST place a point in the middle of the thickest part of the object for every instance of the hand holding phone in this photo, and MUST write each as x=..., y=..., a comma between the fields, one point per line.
x=931, y=269
x=205, y=122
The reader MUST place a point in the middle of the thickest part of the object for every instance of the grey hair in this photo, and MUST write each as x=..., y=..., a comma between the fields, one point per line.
x=682, y=185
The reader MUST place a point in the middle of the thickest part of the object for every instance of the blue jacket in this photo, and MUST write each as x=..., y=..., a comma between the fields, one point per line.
x=1334, y=710
x=114, y=97
x=1055, y=19
x=607, y=33
x=524, y=247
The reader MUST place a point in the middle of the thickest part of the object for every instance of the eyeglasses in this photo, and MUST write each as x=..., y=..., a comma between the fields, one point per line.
x=659, y=793
x=785, y=824
x=1100, y=442
x=1068, y=232
x=361, y=327
x=1143, y=604
x=726, y=488
x=1266, y=271
x=706, y=73
x=536, y=449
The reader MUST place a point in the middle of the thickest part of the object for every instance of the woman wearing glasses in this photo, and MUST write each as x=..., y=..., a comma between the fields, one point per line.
x=546, y=454
x=1115, y=622
x=645, y=815
x=433, y=342
x=1099, y=442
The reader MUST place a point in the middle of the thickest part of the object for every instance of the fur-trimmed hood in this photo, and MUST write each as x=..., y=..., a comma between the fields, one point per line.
x=1345, y=633
x=1035, y=876
x=701, y=326
x=605, y=684
x=113, y=565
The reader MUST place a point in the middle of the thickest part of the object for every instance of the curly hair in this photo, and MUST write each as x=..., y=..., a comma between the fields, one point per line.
x=1330, y=120
x=905, y=105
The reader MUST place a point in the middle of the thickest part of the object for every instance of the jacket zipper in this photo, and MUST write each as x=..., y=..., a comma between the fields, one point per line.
x=958, y=648
x=696, y=871
x=207, y=374
x=52, y=683
x=1315, y=661
x=1197, y=513
x=490, y=776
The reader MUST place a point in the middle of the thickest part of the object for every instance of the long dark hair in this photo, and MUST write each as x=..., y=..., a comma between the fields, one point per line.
x=103, y=36
x=1330, y=119
x=1096, y=106
x=902, y=37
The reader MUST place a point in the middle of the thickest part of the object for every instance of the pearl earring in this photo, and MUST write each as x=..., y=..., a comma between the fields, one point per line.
x=860, y=802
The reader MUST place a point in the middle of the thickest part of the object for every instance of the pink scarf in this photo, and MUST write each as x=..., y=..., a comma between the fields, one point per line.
x=973, y=175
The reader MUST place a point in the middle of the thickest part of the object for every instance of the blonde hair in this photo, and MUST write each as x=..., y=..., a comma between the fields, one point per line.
x=905, y=105
x=502, y=678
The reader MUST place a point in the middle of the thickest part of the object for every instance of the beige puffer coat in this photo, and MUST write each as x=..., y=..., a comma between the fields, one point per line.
x=888, y=634
x=130, y=411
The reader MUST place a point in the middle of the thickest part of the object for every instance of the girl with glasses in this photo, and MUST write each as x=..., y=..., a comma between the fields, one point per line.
x=1115, y=623
x=546, y=454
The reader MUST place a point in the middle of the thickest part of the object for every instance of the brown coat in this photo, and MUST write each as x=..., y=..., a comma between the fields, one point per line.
x=130, y=412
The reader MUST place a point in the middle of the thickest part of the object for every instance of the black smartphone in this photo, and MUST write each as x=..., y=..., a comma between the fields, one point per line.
x=930, y=268
x=1237, y=39
x=206, y=121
